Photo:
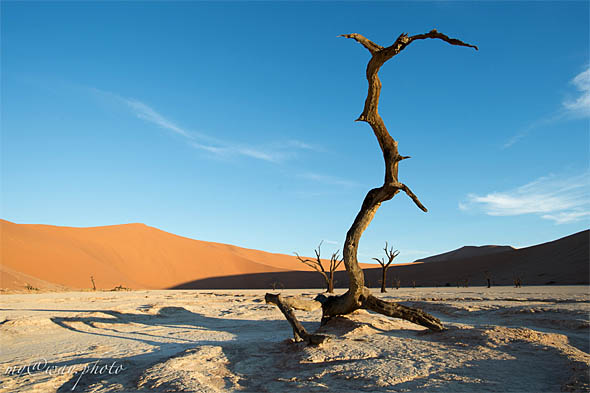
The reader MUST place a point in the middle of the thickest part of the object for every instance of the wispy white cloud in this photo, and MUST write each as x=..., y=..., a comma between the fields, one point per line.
x=328, y=180
x=580, y=106
x=565, y=217
x=148, y=114
x=527, y=130
x=271, y=156
x=211, y=149
x=275, y=152
x=557, y=198
x=304, y=146
x=225, y=150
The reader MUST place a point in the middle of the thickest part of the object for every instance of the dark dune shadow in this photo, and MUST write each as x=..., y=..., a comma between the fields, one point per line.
x=287, y=280
x=564, y=261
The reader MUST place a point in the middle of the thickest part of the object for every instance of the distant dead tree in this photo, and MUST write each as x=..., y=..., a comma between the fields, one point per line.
x=517, y=282
x=465, y=282
x=488, y=278
x=358, y=296
x=317, y=265
x=414, y=284
x=396, y=283
x=93, y=284
x=390, y=254
x=120, y=288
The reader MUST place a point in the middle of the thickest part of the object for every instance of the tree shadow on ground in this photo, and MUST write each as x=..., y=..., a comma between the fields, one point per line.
x=268, y=361
x=276, y=350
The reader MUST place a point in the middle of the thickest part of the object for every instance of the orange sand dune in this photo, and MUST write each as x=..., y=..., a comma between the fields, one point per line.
x=132, y=255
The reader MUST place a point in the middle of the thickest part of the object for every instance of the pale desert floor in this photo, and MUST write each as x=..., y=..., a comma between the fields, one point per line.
x=531, y=339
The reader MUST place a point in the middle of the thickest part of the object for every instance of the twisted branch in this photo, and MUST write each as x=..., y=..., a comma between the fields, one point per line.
x=358, y=296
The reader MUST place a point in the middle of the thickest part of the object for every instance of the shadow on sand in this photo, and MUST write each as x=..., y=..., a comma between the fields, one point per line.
x=269, y=362
x=164, y=346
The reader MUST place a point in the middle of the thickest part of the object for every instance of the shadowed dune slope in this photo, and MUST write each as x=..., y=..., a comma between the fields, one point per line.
x=565, y=261
x=466, y=252
x=132, y=255
x=562, y=261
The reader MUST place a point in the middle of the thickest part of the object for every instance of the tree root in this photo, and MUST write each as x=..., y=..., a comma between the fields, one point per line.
x=395, y=310
x=368, y=302
x=286, y=306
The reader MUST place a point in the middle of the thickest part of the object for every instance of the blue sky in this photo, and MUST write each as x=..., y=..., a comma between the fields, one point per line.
x=233, y=122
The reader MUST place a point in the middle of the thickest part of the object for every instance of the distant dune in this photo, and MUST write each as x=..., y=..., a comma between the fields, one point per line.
x=132, y=255
x=138, y=256
x=466, y=252
x=562, y=261
x=565, y=261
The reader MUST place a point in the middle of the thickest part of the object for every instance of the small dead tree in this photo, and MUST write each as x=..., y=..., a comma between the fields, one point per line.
x=397, y=283
x=390, y=254
x=317, y=265
x=488, y=278
x=358, y=296
x=93, y=284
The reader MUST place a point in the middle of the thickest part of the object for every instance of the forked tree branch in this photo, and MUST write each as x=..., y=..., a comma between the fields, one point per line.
x=435, y=34
x=367, y=43
x=381, y=261
x=390, y=254
x=335, y=262
x=318, y=266
x=413, y=196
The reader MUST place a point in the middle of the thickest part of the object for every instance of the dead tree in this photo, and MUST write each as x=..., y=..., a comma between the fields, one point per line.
x=317, y=265
x=358, y=296
x=390, y=254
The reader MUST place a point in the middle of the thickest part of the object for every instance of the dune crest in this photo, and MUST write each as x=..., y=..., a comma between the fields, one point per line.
x=131, y=255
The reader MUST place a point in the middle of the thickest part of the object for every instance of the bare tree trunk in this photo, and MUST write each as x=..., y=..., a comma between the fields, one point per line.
x=391, y=186
x=331, y=283
x=383, y=279
x=358, y=296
